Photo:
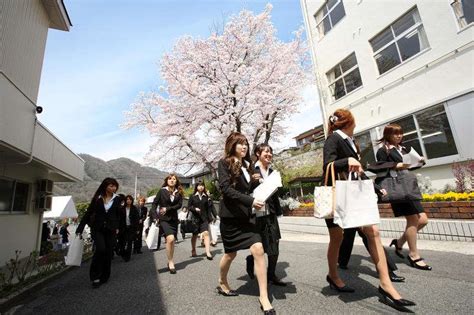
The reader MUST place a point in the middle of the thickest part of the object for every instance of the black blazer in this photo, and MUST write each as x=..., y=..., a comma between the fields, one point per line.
x=163, y=199
x=273, y=203
x=236, y=201
x=207, y=213
x=134, y=217
x=142, y=212
x=388, y=159
x=97, y=218
x=339, y=150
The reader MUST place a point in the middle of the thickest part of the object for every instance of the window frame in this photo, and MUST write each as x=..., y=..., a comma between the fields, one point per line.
x=457, y=19
x=342, y=75
x=328, y=15
x=12, y=197
x=397, y=38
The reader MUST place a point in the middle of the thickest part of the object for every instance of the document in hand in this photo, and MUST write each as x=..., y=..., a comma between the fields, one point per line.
x=412, y=158
x=268, y=187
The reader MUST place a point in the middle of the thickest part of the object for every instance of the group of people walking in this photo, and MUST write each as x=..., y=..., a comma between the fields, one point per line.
x=248, y=223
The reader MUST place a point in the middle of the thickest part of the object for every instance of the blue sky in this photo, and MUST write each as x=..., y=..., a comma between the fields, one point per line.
x=93, y=73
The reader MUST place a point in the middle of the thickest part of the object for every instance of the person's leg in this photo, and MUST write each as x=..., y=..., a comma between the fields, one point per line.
x=261, y=273
x=193, y=245
x=95, y=271
x=170, y=250
x=335, y=241
x=109, y=249
x=345, y=250
x=207, y=243
x=128, y=246
x=414, y=222
x=390, y=263
x=378, y=257
x=224, y=266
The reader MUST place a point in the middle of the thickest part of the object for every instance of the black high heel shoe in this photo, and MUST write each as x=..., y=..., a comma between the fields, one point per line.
x=228, y=293
x=397, y=249
x=344, y=289
x=171, y=270
x=267, y=312
x=399, y=304
x=413, y=263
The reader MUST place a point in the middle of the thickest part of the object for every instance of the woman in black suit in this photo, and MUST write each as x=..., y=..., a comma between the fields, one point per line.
x=200, y=204
x=238, y=229
x=168, y=201
x=129, y=223
x=102, y=216
x=340, y=148
x=390, y=163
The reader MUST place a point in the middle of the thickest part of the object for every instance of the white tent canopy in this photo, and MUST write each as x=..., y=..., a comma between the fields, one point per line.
x=62, y=207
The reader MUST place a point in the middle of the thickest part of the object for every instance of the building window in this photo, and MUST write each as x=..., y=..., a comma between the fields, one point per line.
x=464, y=11
x=399, y=42
x=328, y=16
x=366, y=149
x=13, y=196
x=344, y=78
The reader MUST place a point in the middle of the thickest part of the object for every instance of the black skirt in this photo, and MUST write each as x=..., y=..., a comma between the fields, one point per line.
x=203, y=227
x=401, y=209
x=169, y=227
x=238, y=234
x=270, y=233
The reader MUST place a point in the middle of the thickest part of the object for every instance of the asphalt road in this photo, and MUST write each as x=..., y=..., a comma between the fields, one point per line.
x=144, y=285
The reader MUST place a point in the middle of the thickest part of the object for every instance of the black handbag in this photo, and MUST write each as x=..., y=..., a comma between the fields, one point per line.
x=402, y=188
x=191, y=224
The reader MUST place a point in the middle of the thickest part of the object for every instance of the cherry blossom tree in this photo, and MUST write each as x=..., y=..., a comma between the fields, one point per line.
x=242, y=78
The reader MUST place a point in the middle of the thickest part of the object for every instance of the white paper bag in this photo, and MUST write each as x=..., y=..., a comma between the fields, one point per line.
x=324, y=196
x=146, y=223
x=152, y=238
x=215, y=231
x=74, y=254
x=356, y=203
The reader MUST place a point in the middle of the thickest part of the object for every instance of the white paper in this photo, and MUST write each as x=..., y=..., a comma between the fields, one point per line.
x=412, y=158
x=266, y=189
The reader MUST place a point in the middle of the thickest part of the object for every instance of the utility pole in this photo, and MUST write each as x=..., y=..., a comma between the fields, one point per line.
x=136, y=181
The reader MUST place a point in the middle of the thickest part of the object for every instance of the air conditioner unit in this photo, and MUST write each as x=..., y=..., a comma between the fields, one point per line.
x=44, y=202
x=45, y=186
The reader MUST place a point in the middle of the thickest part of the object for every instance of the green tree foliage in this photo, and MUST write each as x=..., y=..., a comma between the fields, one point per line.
x=81, y=208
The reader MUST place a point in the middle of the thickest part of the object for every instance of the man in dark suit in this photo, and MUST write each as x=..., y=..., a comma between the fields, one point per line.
x=142, y=214
x=129, y=223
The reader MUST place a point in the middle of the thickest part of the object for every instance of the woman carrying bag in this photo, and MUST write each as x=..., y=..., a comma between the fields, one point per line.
x=102, y=216
x=341, y=149
x=200, y=204
x=389, y=167
x=166, y=204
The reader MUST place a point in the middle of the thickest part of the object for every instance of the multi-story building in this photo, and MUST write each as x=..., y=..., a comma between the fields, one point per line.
x=410, y=62
x=31, y=157
x=314, y=135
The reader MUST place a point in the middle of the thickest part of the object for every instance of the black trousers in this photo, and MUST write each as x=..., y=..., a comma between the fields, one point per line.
x=127, y=236
x=104, y=243
x=137, y=244
x=345, y=250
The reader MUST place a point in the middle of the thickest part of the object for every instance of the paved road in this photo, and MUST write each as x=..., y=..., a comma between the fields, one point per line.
x=144, y=285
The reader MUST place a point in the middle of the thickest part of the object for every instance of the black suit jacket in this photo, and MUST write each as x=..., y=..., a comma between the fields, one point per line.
x=236, y=201
x=387, y=160
x=163, y=199
x=134, y=217
x=97, y=218
x=273, y=203
x=143, y=212
x=207, y=213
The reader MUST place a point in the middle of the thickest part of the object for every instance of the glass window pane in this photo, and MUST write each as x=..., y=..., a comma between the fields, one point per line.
x=326, y=25
x=319, y=16
x=353, y=80
x=20, y=202
x=468, y=9
x=366, y=149
x=349, y=62
x=338, y=89
x=331, y=3
x=337, y=71
x=409, y=45
x=6, y=193
x=404, y=23
x=410, y=135
x=382, y=39
x=436, y=132
x=387, y=58
x=337, y=13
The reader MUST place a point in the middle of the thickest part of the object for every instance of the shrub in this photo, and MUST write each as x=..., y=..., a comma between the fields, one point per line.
x=449, y=196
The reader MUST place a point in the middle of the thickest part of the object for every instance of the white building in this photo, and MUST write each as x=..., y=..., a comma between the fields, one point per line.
x=31, y=157
x=409, y=62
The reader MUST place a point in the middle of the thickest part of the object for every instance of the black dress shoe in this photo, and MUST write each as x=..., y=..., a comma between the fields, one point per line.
x=224, y=293
x=267, y=312
x=274, y=280
x=250, y=265
x=96, y=284
x=413, y=263
x=399, y=304
x=344, y=289
x=209, y=257
x=172, y=270
x=398, y=250
x=396, y=278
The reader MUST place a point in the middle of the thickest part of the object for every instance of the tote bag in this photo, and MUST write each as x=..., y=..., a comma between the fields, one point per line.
x=324, y=196
x=356, y=203
x=402, y=188
x=74, y=254
x=191, y=224
x=152, y=237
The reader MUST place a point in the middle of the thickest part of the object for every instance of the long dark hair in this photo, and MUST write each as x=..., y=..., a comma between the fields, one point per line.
x=103, y=187
x=196, y=187
x=229, y=153
x=131, y=198
x=177, y=186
